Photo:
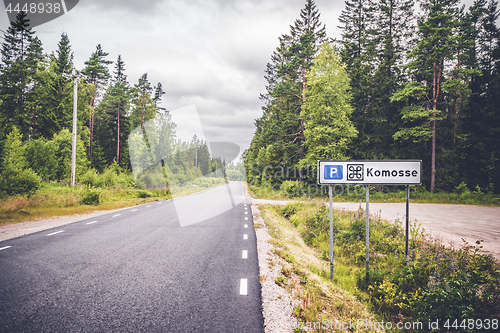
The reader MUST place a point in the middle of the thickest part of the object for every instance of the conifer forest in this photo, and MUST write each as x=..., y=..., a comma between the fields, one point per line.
x=406, y=80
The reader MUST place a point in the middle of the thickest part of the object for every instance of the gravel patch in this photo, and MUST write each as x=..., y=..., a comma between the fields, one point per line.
x=276, y=301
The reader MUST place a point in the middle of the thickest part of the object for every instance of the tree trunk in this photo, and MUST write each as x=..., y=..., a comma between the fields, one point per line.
x=142, y=114
x=91, y=123
x=433, y=156
x=118, y=138
x=302, y=127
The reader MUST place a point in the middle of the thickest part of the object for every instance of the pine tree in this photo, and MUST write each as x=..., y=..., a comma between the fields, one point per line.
x=435, y=47
x=144, y=107
x=113, y=112
x=97, y=74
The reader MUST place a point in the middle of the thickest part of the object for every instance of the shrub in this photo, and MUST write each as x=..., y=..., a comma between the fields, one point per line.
x=291, y=208
x=13, y=182
x=143, y=194
x=91, y=196
x=292, y=188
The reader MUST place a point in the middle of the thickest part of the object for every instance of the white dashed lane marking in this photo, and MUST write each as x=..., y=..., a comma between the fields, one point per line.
x=5, y=248
x=91, y=222
x=243, y=287
x=117, y=215
x=245, y=236
x=244, y=254
x=134, y=210
x=245, y=226
x=57, y=232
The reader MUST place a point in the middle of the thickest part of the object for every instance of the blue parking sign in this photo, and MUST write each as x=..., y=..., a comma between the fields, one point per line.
x=334, y=172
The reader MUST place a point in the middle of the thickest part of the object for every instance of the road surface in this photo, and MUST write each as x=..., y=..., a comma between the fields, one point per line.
x=158, y=267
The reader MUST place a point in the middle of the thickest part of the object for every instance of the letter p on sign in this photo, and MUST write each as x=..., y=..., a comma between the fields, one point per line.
x=334, y=172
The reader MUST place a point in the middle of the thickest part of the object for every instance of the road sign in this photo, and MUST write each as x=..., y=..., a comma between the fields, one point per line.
x=384, y=172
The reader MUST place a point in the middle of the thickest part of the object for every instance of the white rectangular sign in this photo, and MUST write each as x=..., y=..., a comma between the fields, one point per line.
x=388, y=172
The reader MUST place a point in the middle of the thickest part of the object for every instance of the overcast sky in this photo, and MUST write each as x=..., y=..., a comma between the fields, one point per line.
x=210, y=53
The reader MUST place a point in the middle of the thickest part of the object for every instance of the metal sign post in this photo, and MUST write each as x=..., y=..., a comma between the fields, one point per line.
x=331, y=231
x=407, y=221
x=384, y=172
x=367, y=233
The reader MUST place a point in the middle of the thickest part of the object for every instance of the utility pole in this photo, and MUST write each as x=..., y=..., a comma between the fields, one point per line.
x=73, y=146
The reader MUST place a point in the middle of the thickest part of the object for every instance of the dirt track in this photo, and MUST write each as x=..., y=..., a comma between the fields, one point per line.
x=450, y=223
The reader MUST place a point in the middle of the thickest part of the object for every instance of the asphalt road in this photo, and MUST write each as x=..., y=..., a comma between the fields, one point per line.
x=182, y=265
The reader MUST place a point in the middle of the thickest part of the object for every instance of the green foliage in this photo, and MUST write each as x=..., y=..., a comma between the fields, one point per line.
x=326, y=112
x=143, y=194
x=291, y=208
x=91, y=196
x=13, y=182
x=41, y=157
x=16, y=178
x=293, y=188
x=436, y=283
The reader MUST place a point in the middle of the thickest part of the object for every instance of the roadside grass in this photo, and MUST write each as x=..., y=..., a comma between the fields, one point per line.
x=382, y=194
x=437, y=283
x=305, y=275
x=55, y=199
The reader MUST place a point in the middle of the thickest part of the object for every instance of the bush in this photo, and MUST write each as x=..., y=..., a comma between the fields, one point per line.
x=291, y=208
x=292, y=188
x=375, y=278
x=91, y=196
x=143, y=194
x=13, y=182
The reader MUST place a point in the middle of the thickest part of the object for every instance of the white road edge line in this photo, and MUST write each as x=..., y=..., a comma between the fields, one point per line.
x=244, y=254
x=57, y=232
x=91, y=222
x=245, y=236
x=4, y=248
x=243, y=287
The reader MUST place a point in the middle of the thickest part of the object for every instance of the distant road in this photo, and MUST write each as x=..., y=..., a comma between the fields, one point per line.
x=450, y=223
x=157, y=267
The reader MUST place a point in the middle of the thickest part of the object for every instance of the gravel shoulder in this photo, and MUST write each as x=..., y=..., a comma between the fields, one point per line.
x=13, y=230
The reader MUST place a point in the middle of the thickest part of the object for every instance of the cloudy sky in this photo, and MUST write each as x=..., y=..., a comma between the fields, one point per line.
x=207, y=53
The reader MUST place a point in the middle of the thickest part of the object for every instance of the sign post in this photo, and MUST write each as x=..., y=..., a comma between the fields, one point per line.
x=383, y=172
x=407, y=221
x=331, y=231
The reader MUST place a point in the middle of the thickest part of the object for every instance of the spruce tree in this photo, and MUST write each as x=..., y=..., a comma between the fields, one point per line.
x=279, y=139
x=21, y=57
